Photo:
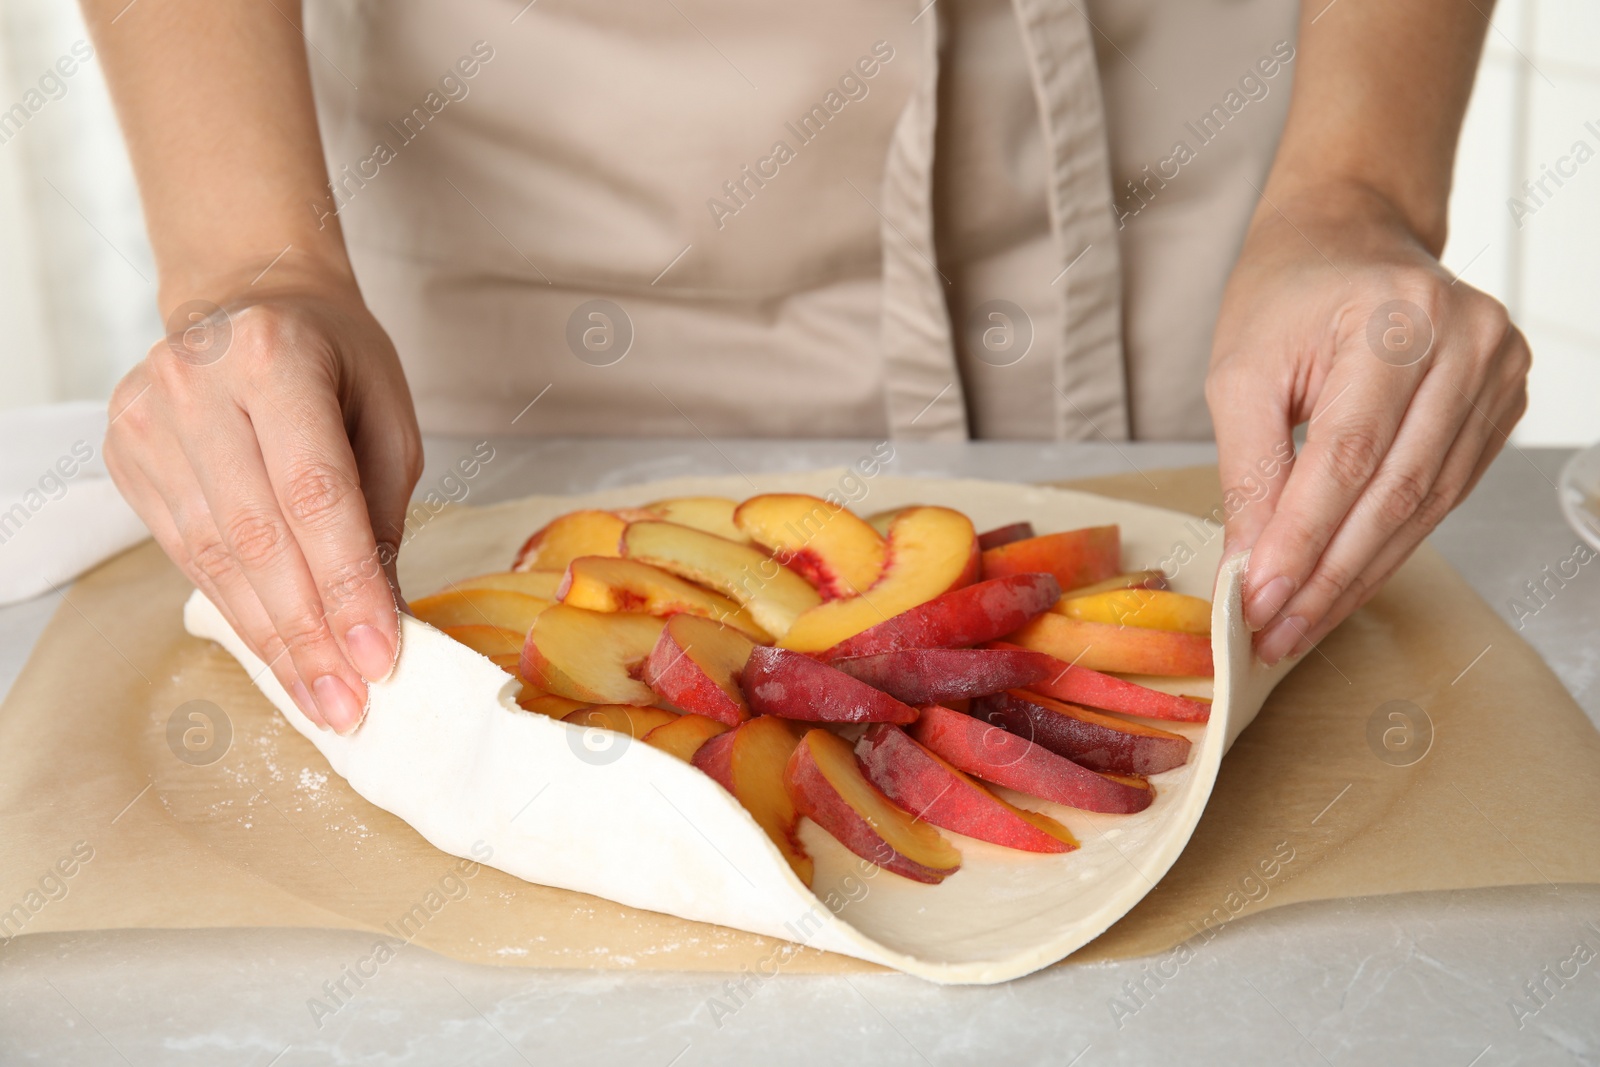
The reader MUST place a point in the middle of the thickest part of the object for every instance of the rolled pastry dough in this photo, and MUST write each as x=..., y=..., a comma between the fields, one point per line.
x=445, y=748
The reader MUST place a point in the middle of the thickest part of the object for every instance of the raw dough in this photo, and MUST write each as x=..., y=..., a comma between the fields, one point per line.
x=445, y=748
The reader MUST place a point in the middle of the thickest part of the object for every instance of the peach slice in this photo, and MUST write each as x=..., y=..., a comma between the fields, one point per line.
x=542, y=584
x=1077, y=684
x=1004, y=535
x=749, y=762
x=605, y=584
x=510, y=662
x=1076, y=557
x=479, y=607
x=1001, y=757
x=1087, y=738
x=882, y=520
x=840, y=555
x=715, y=758
x=1128, y=649
x=631, y=719
x=486, y=640
x=1131, y=580
x=827, y=785
x=683, y=736
x=713, y=514
x=774, y=595
x=695, y=665
x=532, y=699
x=930, y=788
x=590, y=655
x=935, y=675
x=1152, y=609
x=971, y=615
x=564, y=539
x=788, y=684
x=931, y=551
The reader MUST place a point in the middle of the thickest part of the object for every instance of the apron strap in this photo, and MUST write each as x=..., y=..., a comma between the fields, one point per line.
x=1091, y=383
x=922, y=386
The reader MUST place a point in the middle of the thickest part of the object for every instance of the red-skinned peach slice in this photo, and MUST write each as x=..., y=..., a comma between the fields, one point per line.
x=534, y=699
x=750, y=762
x=827, y=545
x=590, y=655
x=485, y=640
x=791, y=685
x=1125, y=649
x=970, y=615
x=683, y=736
x=1077, y=684
x=713, y=514
x=479, y=607
x=774, y=595
x=630, y=719
x=934, y=791
x=1075, y=557
x=1130, y=580
x=599, y=583
x=1088, y=738
x=564, y=539
x=931, y=551
x=999, y=756
x=1005, y=535
x=696, y=664
x=1151, y=609
x=715, y=758
x=935, y=675
x=826, y=784
x=542, y=584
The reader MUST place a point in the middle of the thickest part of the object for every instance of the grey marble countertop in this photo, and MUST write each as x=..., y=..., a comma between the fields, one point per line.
x=1417, y=978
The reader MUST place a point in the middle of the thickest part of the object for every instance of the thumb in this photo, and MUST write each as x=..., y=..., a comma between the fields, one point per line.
x=1255, y=449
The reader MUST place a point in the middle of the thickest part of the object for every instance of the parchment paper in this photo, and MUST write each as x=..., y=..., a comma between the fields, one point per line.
x=1327, y=795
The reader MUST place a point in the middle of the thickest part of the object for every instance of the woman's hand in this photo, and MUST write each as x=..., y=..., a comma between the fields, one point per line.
x=1337, y=315
x=272, y=450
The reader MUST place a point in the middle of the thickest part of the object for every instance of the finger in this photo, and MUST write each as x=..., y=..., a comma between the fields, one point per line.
x=240, y=497
x=1346, y=439
x=1405, y=487
x=186, y=532
x=1255, y=447
x=1474, y=450
x=388, y=452
x=318, y=486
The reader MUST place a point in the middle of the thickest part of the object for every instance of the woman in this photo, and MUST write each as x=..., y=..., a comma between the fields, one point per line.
x=969, y=218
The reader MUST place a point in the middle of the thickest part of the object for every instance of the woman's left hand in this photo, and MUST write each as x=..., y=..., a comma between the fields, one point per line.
x=1337, y=315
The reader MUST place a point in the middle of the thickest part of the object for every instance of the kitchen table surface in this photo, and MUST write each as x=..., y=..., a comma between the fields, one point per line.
x=1417, y=978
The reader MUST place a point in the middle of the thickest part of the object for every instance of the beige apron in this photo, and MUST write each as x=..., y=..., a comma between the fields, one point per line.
x=868, y=218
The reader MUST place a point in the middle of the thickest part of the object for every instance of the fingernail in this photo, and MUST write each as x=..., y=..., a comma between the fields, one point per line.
x=339, y=705
x=371, y=652
x=308, y=707
x=1277, y=642
x=1268, y=601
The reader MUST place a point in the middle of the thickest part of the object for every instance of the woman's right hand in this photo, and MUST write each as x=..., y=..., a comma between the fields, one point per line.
x=272, y=450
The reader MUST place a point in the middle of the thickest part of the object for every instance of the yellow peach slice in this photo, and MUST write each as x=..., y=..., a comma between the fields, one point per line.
x=1152, y=609
x=630, y=719
x=839, y=554
x=774, y=595
x=683, y=736
x=564, y=539
x=602, y=584
x=713, y=514
x=479, y=607
x=590, y=655
x=930, y=552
